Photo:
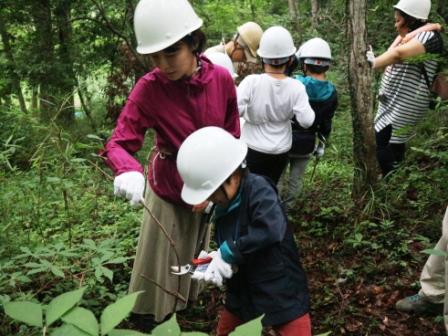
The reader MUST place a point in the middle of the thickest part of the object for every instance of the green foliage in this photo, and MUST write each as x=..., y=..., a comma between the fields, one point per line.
x=114, y=313
x=27, y=312
x=77, y=321
x=62, y=304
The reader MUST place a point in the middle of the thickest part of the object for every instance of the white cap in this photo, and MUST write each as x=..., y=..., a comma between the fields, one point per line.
x=159, y=24
x=222, y=60
x=205, y=160
x=418, y=9
x=276, y=43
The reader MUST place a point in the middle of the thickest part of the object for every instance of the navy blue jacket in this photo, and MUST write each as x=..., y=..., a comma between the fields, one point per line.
x=253, y=234
x=323, y=99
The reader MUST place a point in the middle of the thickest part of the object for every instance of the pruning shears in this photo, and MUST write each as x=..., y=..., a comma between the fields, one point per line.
x=199, y=264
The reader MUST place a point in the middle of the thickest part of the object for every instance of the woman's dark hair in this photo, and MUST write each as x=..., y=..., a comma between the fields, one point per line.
x=196, y=41
x=292, y=67
x=317, y=69
x=411, y=22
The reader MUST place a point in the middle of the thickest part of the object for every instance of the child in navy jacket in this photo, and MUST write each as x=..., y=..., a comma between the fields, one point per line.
x=257, y=256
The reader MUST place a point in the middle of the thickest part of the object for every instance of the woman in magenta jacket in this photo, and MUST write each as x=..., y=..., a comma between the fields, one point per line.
x=183, y=93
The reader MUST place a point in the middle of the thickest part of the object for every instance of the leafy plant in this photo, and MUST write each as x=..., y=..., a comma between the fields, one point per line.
x=76, y=321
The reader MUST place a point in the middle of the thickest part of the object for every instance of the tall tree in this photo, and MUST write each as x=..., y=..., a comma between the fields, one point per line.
x=314, y=13
x=11, y=64
x=44, y=73
x=360, y=85
x=66, y=79
x=294, y=13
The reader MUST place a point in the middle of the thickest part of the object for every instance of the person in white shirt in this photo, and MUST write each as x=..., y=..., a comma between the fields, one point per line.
x=268, y=101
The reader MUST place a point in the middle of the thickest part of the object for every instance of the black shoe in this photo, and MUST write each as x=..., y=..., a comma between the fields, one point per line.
x=419, y=304
x=141, y=322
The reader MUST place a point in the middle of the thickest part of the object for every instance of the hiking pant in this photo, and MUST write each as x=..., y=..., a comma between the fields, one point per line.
x=434, y=277
x=301, y=326
x=155, y=255
x=270, y=165
x=389, y=155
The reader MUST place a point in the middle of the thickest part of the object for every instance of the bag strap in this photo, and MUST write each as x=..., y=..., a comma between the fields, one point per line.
x=425, y=74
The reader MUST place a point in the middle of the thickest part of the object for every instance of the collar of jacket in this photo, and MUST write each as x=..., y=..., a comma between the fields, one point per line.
x=199, y=79
x=234, y=204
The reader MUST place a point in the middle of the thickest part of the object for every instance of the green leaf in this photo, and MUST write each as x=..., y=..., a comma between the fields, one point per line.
x=123, y=332
x=194, y=333
x=82, y=319
x=436, y=252
x=114, y=313
x=62, y=304
x=250, y=328
x=95, y=137
x=119, y=260
x=57, y=271
x=106, y=272
x=68, y=330
x=169, y=328
x=27, y=312
x=328, y=333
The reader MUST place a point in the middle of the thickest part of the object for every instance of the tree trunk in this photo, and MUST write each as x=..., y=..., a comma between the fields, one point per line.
x=11, y=65
x=66, y=79
x=294, y=14
x=314, y=12
x=45, y=76
x=360, y=84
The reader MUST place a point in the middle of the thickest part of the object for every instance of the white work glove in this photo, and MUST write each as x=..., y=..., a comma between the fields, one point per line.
x=130, y=185
x=218, y=270
x=198, y=273
x=319, y=152
x=370, y=56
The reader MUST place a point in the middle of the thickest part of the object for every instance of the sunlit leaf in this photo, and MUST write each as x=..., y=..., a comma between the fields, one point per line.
x=27, y=312
x=116, y=312
x=82, y=319
x=62, y=304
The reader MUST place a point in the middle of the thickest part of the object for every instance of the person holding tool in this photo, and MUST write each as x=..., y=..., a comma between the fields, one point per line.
x=182, y=94
x=314, y=59
x=257, y=259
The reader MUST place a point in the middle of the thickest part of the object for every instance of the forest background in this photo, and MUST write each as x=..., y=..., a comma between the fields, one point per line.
x=67, y=67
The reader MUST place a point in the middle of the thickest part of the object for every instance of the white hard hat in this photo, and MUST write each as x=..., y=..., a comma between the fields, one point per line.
x=314, y=48
x=418, y=9
x=251, y=33
x=205, y=160
x=276, y=43
x=222, y=60
x=159, y=24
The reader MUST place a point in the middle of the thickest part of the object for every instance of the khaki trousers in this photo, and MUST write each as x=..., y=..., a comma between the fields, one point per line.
x=155, y=256
x=434, y=277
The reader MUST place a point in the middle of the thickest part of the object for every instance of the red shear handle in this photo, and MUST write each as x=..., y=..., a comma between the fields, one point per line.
x=201, y=261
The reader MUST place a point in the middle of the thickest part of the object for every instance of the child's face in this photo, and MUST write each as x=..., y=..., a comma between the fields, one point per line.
x=227, y=191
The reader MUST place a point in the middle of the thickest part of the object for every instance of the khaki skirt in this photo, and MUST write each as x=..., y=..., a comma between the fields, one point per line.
x=155, y=255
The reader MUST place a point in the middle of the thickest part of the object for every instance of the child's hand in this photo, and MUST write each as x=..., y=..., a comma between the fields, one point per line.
x=218, y=270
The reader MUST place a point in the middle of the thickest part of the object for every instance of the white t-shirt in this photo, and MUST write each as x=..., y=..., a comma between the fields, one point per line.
x=267, y=105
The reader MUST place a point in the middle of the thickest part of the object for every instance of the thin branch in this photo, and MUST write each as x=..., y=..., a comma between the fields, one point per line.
x=176, y=295
x=171, y=241
x=117, y=32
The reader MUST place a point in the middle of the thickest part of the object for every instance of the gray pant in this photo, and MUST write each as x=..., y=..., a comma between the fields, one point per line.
x=434, y=277
x=291, y=185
